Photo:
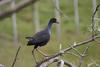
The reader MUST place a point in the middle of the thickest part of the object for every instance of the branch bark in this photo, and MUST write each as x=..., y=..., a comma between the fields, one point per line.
x=59, y=63
x=18, y=7
x=4, y=2
x=67, y=49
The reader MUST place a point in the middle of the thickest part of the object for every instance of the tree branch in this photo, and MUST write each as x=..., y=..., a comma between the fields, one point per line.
x=45, y=64
x=68, y=64
x=67, y=49
x=18, y=7
x=59, y=63
x=3, y=2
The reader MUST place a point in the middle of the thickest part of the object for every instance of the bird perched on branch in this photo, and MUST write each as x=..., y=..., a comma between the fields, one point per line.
x=41, y=38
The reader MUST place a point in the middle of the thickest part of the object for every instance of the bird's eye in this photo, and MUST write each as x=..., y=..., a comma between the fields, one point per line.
x=54, y=20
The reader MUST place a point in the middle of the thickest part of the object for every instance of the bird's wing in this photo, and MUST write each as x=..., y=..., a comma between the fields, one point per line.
x=41, y=36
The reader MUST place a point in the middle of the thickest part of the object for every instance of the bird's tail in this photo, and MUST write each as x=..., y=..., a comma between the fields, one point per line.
x=30, y=41
x=28, y=37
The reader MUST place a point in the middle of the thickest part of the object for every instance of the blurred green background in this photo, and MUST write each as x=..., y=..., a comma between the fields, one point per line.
x=26, y=27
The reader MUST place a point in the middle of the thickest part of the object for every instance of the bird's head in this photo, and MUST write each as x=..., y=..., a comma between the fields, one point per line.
x=53, y=20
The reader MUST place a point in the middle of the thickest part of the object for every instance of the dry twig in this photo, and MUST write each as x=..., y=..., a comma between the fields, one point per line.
x=83, y=55
x=16, y=56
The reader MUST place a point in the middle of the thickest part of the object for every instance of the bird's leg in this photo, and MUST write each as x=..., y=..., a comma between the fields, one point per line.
x=34, y=56
x=41, y=52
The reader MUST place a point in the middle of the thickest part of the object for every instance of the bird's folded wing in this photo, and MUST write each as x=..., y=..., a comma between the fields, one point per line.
x=41, y=36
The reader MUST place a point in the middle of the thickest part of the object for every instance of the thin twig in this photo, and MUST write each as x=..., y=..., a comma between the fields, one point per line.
x=82, y=56
x=93, y=63
x=60, y=11
x=72, y=53
x=93, y=23
x=16, y=56
x=75, y=50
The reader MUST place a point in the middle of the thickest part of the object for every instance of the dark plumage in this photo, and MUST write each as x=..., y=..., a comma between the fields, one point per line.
x=41, y=38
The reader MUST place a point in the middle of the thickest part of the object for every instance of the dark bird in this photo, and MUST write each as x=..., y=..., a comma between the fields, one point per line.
x=41, y=38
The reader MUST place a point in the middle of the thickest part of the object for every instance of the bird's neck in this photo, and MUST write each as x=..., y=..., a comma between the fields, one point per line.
x=49, y=27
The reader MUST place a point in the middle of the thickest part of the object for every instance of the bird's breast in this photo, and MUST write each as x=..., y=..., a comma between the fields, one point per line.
x=49, y=31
